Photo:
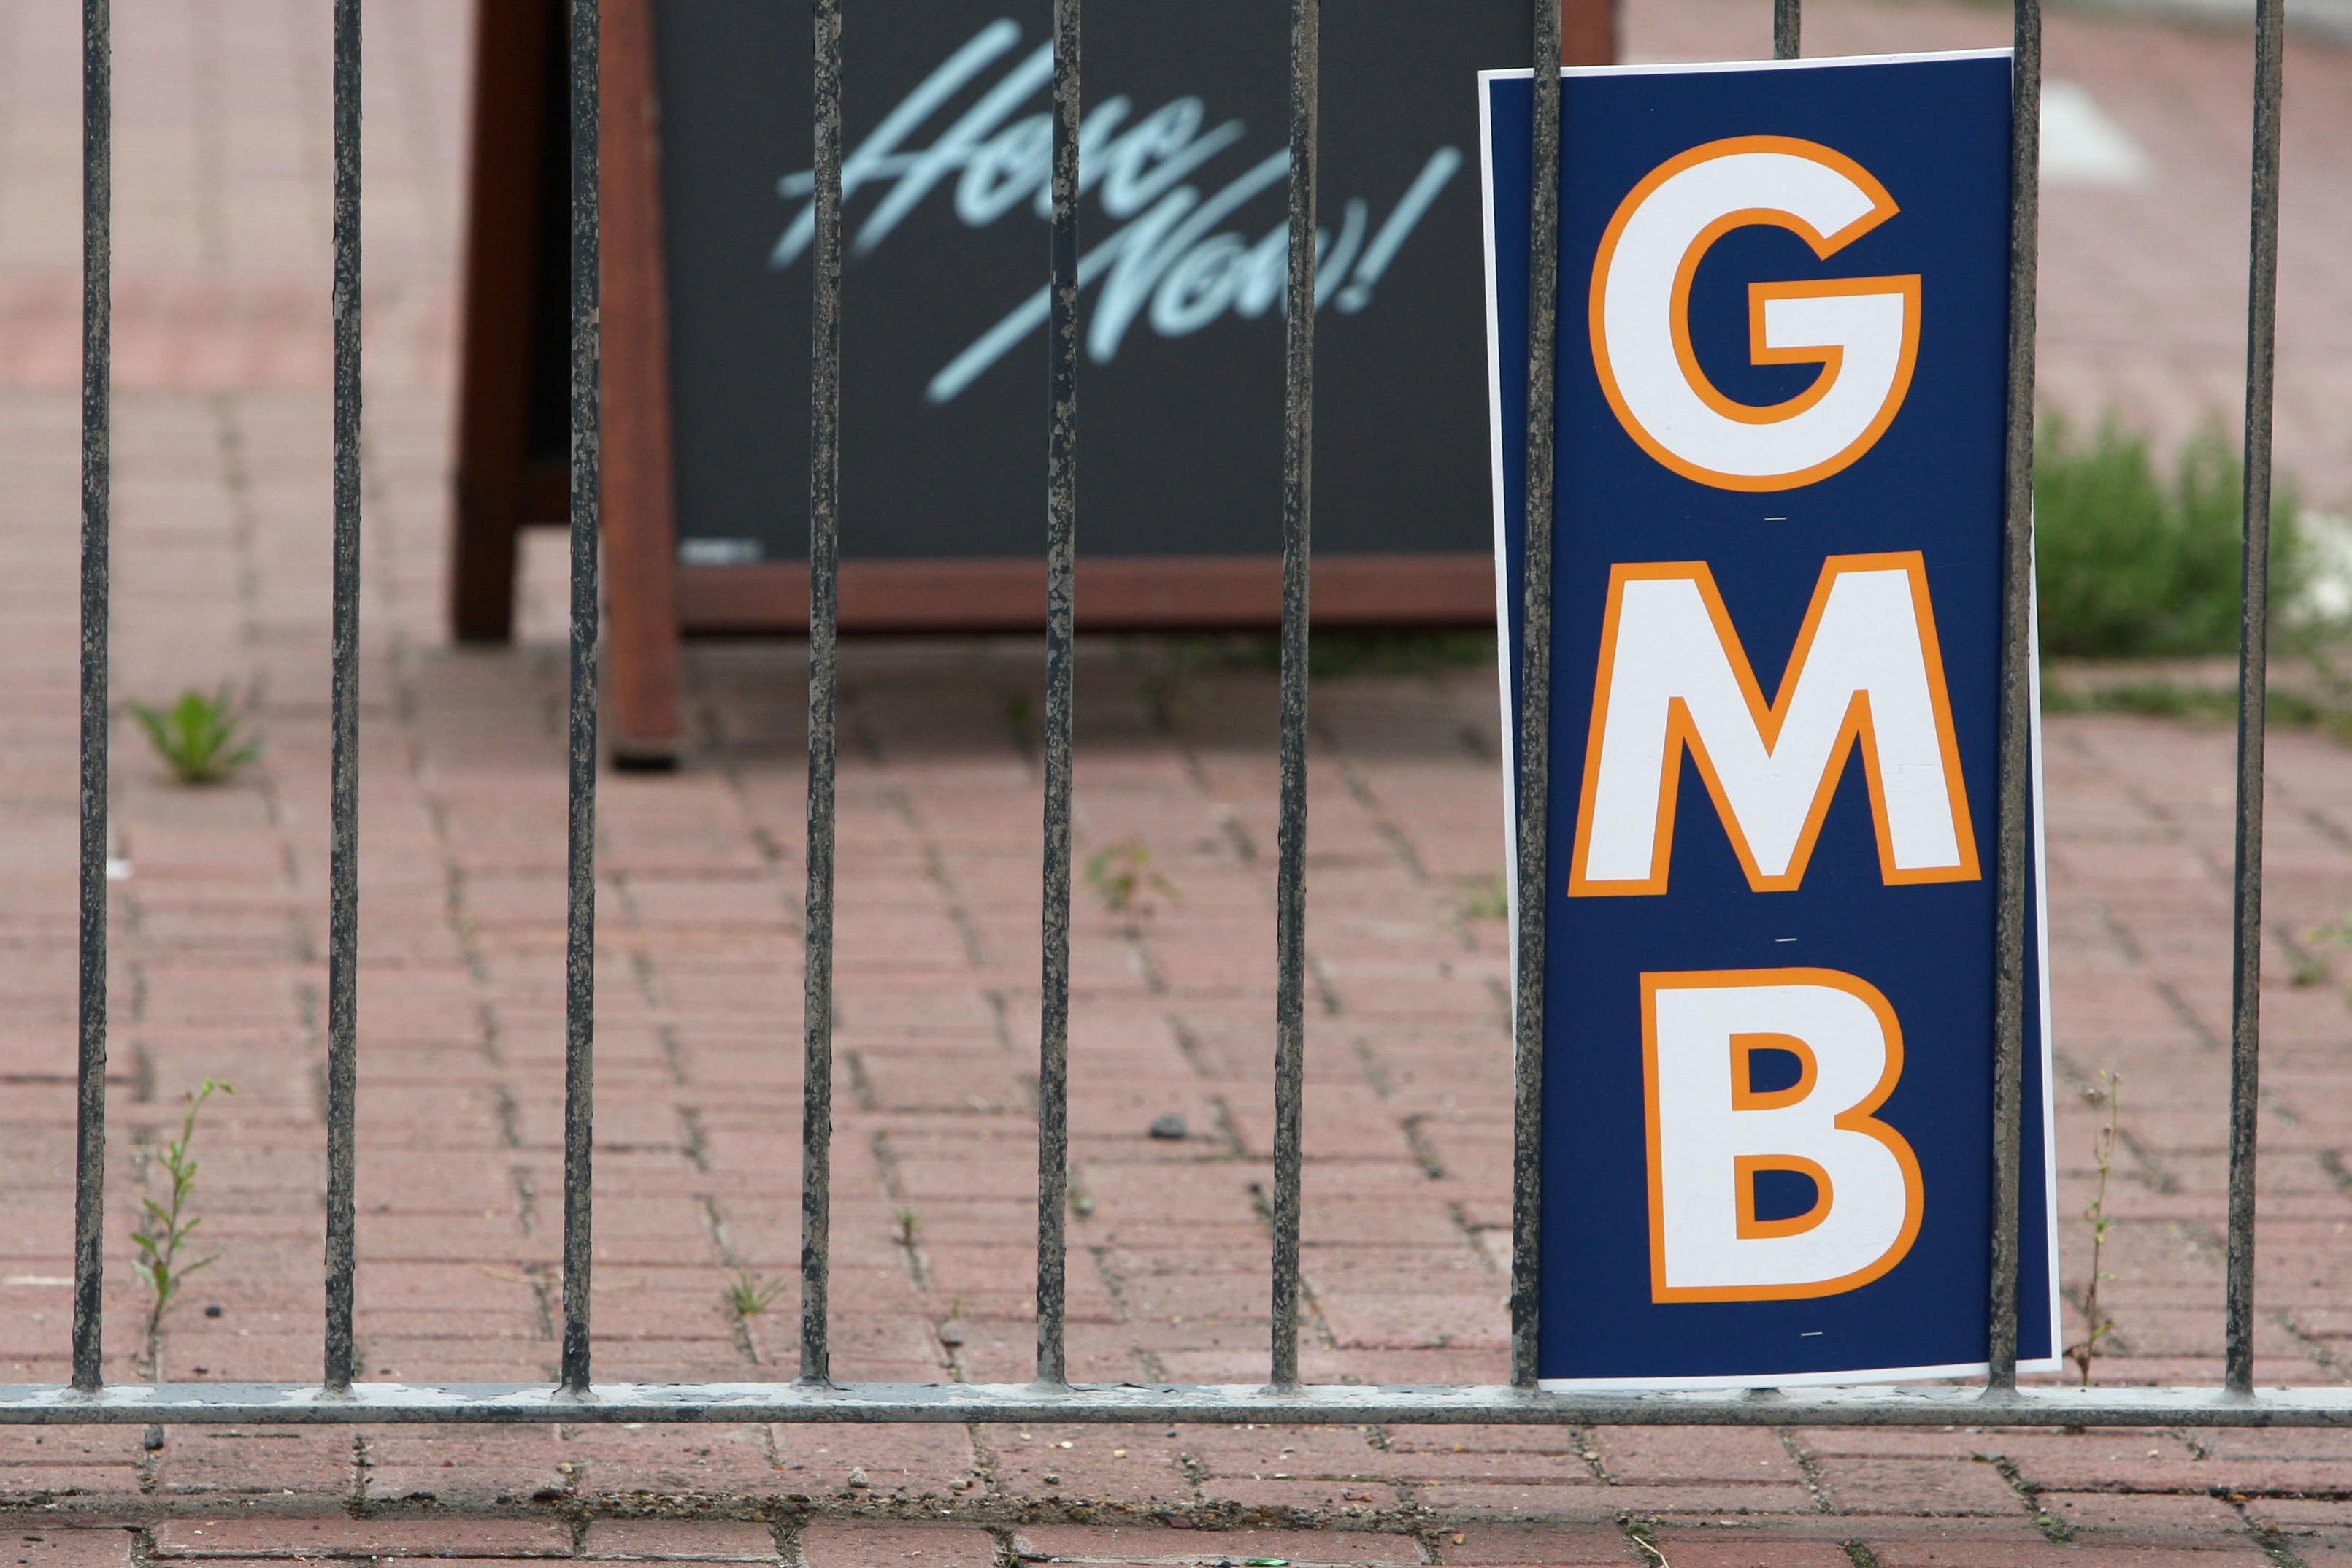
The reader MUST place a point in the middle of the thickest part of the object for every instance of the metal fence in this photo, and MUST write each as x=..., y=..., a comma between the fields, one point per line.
x=337, y=1397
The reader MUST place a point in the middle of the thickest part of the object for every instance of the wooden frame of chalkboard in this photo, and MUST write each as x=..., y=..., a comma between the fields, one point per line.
x=510, y=468
x=512, y=416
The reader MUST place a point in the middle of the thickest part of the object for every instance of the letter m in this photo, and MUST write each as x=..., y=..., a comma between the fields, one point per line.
x=1865, y=675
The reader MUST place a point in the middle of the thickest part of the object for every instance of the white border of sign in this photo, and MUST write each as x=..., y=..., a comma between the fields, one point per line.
x=1506, y=613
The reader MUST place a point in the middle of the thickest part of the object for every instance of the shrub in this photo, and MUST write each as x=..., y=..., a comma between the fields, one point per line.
x=2133, y=563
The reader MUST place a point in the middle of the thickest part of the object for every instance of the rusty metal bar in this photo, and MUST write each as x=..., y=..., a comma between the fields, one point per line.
x=580, y=925
x=1061, y=697
x=1788, y=26
x=1531, y=876
x=1297, y=503
x=2013, y=858
x=2254, y=686
x=97, y=465
x=343, y=785
x=825, y=556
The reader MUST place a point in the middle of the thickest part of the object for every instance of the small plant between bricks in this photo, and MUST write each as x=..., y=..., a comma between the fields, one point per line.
x=1643, y=1533
x=166, y=1228
x=2311, y=962
x=1122, y=878
x=1485, y=899
x=2096, y=1325
x=199, y=737
x=747, y=1294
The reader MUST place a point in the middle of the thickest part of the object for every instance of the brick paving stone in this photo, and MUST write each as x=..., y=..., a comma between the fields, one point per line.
x=705, y=1459
x=49, y=1547
x=279, y=1461
x=326, y=1534
x=2318, y=1516
x=1102, y=1462
x=1584, y=1543
x=1695, y=1493
x=41, y=1463
x=1299, y=1497
x=1955, y=1486
x=425, y=1464
x=1566, y=1497
x=1746, y=1554
x=2097, y=1511
x=1964, y=1553
x=1678, y=1453
x=844, y=1543
x=1158, y=1545
x=679, y=1541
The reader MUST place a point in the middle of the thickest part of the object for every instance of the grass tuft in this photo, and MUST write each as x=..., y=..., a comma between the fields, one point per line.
x=746, y=1294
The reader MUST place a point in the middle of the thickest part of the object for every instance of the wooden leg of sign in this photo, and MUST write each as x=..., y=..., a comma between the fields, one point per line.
x=643, y=664
x=1588, y=33
x=512, y=50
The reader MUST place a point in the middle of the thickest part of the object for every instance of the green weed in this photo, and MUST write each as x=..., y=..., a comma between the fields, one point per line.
x=2096, y=1325
x=1122, y=878
x=2311, y=962
x=2133, y=563
x=1484, y=899
x=167, y=1228
x=199, y=738
x=1643, y=1533
x=746, y=1295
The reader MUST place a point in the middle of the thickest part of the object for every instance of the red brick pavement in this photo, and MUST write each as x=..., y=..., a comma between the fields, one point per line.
x=221, y=488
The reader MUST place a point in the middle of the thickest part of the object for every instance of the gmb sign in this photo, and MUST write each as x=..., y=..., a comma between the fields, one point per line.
x=1769, y=992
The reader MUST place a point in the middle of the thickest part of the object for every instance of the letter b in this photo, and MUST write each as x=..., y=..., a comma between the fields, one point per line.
x=1712, y=1132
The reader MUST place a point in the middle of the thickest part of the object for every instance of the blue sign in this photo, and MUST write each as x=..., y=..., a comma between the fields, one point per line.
x=1769, y=978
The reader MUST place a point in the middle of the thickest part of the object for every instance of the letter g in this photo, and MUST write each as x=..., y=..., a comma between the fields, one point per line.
x=1863, y=332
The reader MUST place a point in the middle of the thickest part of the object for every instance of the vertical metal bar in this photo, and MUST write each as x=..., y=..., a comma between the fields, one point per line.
x=97, y=460
x=1533, y=776
x=1788, y=24
x=580, y=935
x=342, y=872
x=825, y=552
x=2013, y=861
x=1297, y=503
x=2253, y=677
x=1061, y=632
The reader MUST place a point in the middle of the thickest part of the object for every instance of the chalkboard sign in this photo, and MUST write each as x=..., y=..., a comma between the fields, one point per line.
x=706, y=191
x=1183, y=264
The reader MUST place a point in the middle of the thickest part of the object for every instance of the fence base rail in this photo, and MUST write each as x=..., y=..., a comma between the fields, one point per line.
x=1222, y=1404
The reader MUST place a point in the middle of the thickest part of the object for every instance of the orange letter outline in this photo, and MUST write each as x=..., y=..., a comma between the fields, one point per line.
x=1860, y=1117
x=1831, y=358
x=1682, y=733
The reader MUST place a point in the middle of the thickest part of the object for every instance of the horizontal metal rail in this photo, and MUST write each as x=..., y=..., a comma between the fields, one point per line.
x=1203, y=1404
x=814, y=1398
